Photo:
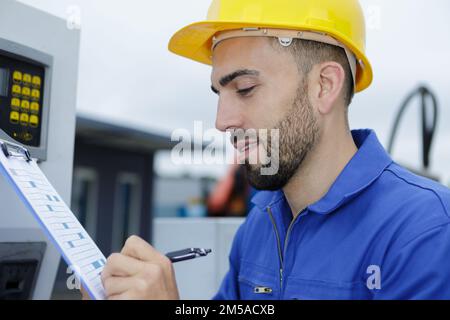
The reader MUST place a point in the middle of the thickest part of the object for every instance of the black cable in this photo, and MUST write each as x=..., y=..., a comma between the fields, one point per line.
x=428, y=128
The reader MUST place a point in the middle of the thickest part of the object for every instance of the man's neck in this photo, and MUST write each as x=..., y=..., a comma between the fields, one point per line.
x=320, y=169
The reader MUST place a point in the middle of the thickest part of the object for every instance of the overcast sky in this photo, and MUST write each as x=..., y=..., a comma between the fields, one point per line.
x=127, y=74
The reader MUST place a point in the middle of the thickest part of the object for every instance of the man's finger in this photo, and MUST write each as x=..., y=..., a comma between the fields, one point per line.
x=121, y=266
x=138, y=248
x=115, y=286
x=123, y=296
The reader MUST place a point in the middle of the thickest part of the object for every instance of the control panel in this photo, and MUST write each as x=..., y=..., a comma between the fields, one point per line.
x=23, y=97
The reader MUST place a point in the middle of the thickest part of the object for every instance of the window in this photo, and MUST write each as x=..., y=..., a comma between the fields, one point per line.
x=127, y=209
x=85, y=198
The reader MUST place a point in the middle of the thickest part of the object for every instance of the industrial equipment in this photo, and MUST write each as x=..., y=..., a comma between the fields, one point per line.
x=38, y=82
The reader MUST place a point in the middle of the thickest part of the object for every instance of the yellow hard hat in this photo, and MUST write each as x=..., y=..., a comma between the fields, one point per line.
x=343, y=20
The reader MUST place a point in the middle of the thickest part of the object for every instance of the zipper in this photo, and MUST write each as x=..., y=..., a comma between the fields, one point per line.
x=280, y=253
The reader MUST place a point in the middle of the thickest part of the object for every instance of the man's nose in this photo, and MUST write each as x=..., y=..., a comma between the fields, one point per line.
x=228, y=115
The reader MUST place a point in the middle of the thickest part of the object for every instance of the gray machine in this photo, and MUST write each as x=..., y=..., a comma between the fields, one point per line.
x=38, y=84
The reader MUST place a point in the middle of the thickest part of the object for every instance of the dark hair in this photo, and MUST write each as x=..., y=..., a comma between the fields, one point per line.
x=309, y=53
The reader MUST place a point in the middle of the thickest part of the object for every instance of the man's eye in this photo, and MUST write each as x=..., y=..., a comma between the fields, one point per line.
x=244, y=92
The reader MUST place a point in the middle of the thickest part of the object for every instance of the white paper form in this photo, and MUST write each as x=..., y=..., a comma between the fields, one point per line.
x=57, y=220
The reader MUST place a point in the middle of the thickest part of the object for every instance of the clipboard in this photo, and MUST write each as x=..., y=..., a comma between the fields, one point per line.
x=56, y=219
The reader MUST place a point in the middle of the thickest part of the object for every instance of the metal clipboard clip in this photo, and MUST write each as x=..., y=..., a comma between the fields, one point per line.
x=13, y=150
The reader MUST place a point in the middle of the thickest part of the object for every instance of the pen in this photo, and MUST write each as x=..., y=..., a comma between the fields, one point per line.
x=187, y=254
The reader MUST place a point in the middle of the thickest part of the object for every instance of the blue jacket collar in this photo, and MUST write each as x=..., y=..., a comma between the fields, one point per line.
x=364, y=168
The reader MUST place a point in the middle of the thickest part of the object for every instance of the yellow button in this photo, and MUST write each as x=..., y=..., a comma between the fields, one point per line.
x=36, y=81
x=25, y=105
x=34, y=121
x=35, y=94
x=16, y=90
x=26, y=78
x=17, y=76
x=26, y=92
x=14, y=117
x=34, y=107
x=15, y=103
x=24, y=118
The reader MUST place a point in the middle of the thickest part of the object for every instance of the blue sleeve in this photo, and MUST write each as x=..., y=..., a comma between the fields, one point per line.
x=229, y=289
x=419, y=269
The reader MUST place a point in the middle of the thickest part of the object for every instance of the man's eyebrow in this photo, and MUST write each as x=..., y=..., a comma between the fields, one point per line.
x=239, y=73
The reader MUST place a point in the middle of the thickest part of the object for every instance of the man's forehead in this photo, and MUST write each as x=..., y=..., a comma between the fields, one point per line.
x=242, y=47
x=243, y=53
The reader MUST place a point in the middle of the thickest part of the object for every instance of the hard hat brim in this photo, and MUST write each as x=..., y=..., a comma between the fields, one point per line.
x=195, y=42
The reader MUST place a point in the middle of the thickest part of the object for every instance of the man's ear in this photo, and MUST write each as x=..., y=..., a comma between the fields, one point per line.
x=329, y=79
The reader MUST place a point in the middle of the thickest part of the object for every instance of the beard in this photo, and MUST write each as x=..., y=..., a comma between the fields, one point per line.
x=298, y=134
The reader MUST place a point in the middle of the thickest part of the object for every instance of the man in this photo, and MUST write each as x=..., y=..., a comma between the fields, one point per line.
x=339, y=219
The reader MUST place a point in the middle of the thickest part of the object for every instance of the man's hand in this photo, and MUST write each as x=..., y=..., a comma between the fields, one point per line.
x=139, y=272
